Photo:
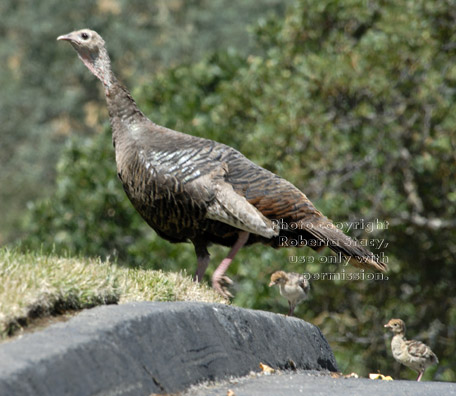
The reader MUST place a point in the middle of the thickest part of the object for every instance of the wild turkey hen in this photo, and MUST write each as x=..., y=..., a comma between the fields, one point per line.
x=192, y=189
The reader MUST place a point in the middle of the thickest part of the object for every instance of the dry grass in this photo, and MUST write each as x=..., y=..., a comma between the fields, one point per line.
x=35, y=286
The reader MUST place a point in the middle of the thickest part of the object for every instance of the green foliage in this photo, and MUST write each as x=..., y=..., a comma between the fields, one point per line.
x=353, y=102
x=87, y=198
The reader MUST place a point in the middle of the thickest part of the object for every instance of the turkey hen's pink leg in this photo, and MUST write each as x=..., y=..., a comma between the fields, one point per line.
x=219, y=274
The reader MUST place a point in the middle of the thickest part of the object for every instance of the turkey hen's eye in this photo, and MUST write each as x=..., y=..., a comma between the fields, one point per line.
x=84, y=36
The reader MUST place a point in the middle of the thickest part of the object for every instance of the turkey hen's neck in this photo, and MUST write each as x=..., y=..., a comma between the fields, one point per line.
x=123, y=110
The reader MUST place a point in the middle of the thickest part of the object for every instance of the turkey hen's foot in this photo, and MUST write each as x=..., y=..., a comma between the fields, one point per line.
x=220, y=284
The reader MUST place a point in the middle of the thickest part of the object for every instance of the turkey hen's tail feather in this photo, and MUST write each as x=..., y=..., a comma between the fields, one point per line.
x=329, y=235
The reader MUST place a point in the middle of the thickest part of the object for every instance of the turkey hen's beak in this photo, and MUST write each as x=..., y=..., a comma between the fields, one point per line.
x=65, y=37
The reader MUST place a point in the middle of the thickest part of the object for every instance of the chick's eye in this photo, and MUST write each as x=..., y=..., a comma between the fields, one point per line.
x=84, y=36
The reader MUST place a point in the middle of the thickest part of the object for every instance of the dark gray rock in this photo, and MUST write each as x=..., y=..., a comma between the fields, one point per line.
x=144, y=348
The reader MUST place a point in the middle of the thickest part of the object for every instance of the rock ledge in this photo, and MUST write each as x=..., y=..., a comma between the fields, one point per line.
x=152, y=347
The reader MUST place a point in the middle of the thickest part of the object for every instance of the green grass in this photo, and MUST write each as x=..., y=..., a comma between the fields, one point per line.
x=34, y=286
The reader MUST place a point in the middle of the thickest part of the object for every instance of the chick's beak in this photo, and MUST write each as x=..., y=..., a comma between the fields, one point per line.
x=387, y=325
x=271, y=284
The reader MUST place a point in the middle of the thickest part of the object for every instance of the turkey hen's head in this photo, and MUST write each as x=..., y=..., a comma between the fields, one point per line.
x=91, y=50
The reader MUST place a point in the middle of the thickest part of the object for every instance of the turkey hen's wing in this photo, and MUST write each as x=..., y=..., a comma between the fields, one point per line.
x=231, y=208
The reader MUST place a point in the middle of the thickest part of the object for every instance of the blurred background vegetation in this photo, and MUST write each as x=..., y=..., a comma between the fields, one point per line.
x=352, y=101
